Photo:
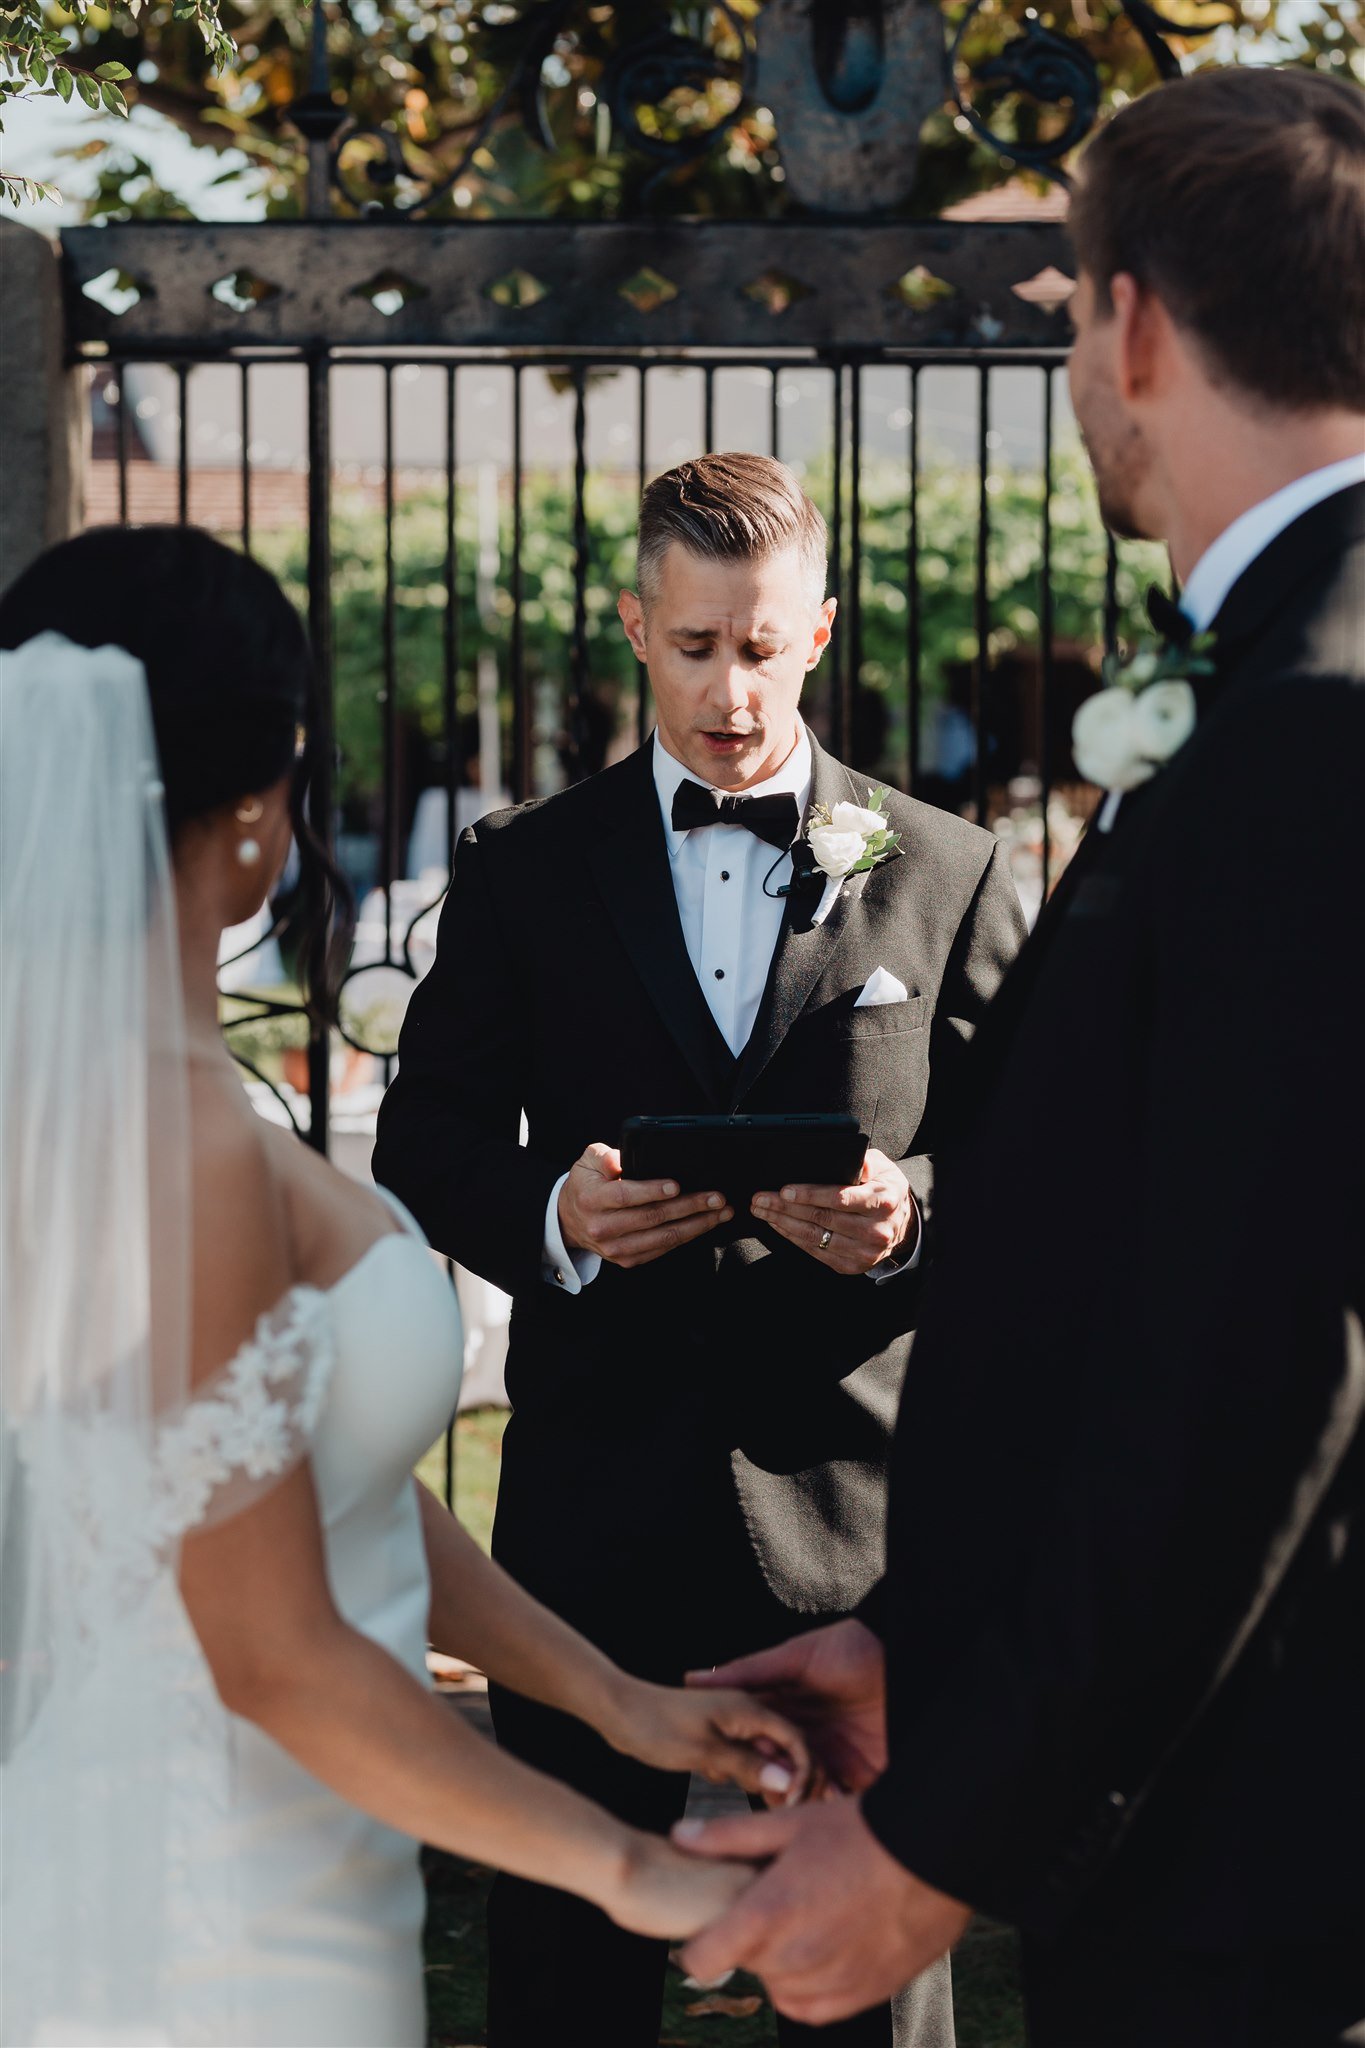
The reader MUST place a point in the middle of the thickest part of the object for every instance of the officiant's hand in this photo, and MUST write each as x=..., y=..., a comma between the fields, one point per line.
x=630, y=1222
x=724, y=1735
x=832, y=1683
x=833, y=1925
x=851, y=1229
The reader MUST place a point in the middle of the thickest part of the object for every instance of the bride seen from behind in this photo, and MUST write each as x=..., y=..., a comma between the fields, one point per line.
x=240, y=1716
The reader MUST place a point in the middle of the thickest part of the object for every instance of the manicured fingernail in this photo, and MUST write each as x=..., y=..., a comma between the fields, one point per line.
x=727, y=1215
x=687, y=1830
x=789, y=1194
x=775, y=1778
x=715, y=1201
x=708, y=1983
x=763, y=1201
x=670, y=1189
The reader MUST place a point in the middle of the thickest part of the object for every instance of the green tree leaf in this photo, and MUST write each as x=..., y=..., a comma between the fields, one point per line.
x=88, y=90
x=63, y=81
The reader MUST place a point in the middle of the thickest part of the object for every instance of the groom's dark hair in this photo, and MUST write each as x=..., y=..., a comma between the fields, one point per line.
x=1238, y=197
x=730, y=508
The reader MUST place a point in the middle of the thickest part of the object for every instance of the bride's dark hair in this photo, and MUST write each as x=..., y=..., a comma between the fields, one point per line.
x=231, y=682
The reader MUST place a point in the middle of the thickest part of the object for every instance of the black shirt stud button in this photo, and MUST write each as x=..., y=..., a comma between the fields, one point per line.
x=720, y=974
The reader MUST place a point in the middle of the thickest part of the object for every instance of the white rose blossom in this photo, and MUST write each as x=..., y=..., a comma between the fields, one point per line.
x=836, y=851
x=1164, y=718
x=855, y=818
x=1105, y=742
x=1123, y=734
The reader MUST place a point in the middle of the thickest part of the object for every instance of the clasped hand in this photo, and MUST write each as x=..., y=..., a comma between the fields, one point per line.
x=833, y=1923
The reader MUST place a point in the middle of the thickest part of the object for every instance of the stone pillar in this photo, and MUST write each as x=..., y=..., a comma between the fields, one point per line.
x=43, y=414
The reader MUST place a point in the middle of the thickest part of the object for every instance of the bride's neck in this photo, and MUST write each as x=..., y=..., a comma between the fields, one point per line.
x=201, y=930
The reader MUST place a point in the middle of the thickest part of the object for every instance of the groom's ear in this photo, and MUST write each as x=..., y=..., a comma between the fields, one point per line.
x=631, y=613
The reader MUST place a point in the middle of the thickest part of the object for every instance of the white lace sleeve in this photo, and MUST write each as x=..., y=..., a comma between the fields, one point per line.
x=248, y=1426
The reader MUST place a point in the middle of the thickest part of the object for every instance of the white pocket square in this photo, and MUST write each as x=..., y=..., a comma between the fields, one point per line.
x=882, y=987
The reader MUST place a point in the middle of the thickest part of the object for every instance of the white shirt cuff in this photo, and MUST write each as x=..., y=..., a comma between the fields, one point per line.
x=892, y=1268
x=570, y=1271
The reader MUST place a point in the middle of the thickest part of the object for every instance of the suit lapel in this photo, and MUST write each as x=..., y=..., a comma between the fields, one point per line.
x=803, y=949
x=631, y=868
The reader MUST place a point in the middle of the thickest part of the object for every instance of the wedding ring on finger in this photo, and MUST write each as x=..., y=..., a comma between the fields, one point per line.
x=825, y=1236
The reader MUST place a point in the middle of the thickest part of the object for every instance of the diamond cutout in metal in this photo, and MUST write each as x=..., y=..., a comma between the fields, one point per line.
x=388, y=292
x=919, y=289
x=777, y=290
x=518, y=290
x=242, y=291
x=648, y=290
x=118, y=291
x=1050, y=289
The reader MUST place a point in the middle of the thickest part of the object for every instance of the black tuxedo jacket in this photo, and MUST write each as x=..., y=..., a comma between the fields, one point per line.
x=1125, y=1622
x=724, y=1395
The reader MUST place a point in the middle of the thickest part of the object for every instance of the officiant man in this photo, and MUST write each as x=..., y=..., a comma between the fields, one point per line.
x=1113, y=1689
x=702, y=1399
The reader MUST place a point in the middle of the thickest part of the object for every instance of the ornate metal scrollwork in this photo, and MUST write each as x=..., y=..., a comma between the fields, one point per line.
x=1053, y=70
x=643, y=72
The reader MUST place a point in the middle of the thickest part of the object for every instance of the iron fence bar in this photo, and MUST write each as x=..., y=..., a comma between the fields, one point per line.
x=244, y=408
x=1111, y=593
x=578, y=654
x=982, y=600
x=836, y=695
x=122, y=389
x=320, y=634
x=450, y=1435
x=708, y=427
x=912, y=598
x=522, y=734
x=1046, y=658
x=388, y=841
x=450, y=632
x=773, y=411
x=182, y=386
x=853, y=670
x=641, y=673
x=437, y=355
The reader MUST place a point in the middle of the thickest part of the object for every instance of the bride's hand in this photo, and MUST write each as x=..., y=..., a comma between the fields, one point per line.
x=724, y=1736
x=670, y=1896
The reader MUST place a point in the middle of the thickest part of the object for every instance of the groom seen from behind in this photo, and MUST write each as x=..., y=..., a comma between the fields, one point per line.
x=1115, y=1693
x=702, y=1399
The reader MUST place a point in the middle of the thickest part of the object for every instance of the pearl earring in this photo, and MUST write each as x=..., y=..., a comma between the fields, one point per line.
x=247, y=813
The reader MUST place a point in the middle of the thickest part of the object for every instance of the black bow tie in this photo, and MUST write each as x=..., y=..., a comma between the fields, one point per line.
x=1167, y=617
x=775, y=819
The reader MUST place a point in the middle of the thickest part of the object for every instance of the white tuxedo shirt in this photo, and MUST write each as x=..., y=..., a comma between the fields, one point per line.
x=725, y=880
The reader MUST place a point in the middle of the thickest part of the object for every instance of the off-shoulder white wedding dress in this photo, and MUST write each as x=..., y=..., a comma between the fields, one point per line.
x=298, y=1918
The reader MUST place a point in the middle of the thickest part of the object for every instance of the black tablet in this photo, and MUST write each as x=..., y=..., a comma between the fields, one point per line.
x=742, y=1156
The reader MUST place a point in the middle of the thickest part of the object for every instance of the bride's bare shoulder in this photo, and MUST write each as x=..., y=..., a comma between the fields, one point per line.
x=242, y=1257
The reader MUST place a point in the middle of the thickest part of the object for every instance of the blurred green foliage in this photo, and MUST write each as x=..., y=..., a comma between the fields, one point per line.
x=948, y=504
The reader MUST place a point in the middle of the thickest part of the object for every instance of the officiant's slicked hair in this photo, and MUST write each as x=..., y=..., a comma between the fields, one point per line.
x=1238, y=197
x=730, y=508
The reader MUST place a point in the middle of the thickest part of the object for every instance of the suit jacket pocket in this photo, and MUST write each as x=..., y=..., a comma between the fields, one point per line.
x=882, y=1020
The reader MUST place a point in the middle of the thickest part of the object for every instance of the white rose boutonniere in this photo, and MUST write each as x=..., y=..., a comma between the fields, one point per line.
x=1144, y=715
x=849, y=839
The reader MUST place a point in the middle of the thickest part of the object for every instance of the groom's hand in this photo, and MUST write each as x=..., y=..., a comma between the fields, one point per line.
x=848, y=1229
x=832, y=1683
x=630, y=1222
x=833, y=1925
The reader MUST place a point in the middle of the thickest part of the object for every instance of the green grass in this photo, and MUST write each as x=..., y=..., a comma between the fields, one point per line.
x=478, y=1460
x=986, y=1972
